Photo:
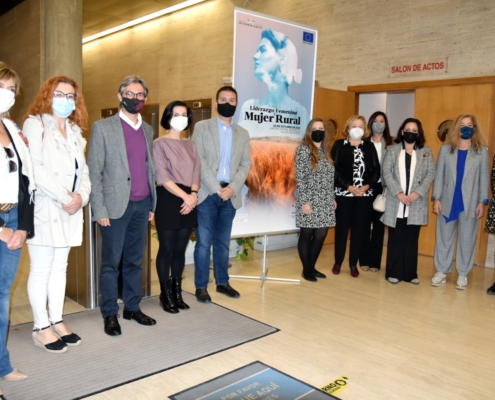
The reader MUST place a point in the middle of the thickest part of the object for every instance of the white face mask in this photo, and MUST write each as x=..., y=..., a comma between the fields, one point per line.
x=7, y=100
x=179, y=123
x=356, y=133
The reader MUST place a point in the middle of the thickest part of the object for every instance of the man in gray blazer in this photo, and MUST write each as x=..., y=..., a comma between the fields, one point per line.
x=224, y=151
x=123, y=199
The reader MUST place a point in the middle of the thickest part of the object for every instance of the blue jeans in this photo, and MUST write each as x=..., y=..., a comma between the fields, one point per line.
x=215, y=218
x=9, y=262
x=125, y=238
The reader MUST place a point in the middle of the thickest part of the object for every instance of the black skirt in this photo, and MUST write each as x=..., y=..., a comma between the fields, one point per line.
x=167, y=213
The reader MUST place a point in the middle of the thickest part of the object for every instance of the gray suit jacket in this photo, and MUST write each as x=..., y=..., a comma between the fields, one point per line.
x=109, y=168
x=423, y=177
x=474, y=184
x=208, y=144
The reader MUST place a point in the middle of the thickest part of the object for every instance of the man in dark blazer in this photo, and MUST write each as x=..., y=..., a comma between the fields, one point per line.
x=123, y=199
x=224, y=151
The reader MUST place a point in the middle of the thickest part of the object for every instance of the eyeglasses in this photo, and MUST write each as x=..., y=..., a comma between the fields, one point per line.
x=131, y=95
x=12, y=164
x=57, y=94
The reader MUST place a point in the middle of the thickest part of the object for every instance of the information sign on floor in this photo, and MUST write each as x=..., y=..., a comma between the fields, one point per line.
x=255, y=381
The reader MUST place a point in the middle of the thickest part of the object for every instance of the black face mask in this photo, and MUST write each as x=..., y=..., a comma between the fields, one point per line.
x=132, y=106
x=317, y=136
x=410, y=137
x=226, y=110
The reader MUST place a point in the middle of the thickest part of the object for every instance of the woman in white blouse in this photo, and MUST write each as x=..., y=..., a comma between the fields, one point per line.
x=53, y=126
x=370, y=258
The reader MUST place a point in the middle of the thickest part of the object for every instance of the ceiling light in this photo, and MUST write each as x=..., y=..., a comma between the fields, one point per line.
x=145, y=18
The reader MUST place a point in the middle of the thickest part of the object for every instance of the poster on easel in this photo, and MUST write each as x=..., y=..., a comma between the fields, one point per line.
x=274, y=75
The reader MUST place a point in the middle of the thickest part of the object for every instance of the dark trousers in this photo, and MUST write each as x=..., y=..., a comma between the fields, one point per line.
x=371, y=252
x=402, y=251
x=352, y=213
x=309, y=247
x=171, y=255
x=124, y=239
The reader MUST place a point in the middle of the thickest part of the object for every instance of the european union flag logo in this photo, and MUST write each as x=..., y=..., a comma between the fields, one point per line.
x=308, y=37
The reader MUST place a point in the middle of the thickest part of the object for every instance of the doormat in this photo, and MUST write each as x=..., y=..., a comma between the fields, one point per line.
x=102, y=362
x=255, y=381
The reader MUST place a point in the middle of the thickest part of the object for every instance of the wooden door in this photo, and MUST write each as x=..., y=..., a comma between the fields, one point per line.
x=338, y=106
x=433, y=105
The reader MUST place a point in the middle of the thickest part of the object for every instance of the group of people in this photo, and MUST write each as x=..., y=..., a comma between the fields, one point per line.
x=343, y=186
x=129, y=178
x=182, y=184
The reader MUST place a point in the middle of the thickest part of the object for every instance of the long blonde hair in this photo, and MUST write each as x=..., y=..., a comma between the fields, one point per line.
x=312, y=148
x=454, y=136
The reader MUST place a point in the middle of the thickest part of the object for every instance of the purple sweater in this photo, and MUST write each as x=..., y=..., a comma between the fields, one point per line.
x=137, y=157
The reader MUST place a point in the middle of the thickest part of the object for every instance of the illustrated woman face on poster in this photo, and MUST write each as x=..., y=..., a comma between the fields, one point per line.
x=275, y=64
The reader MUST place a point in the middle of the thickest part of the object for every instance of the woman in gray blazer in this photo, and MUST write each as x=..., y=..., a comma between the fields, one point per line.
x=408, y=171
x=460, y=194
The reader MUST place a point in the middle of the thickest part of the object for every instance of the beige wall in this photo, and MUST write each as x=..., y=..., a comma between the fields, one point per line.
x=20, y=47
x=185, y=55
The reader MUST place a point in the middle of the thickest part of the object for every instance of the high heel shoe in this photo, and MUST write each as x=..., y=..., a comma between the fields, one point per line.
x=354, y=271
x=54, y=347
x=166, y=298
x=15, y=375
x=177, y=294
x=70, y=340
x=336, y=269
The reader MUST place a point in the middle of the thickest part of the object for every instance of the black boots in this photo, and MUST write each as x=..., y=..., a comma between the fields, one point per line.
x=177, y=294
x=171, y=296
x=167, y=300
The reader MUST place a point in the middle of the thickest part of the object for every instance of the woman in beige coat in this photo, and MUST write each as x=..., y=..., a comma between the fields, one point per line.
x=53, y=127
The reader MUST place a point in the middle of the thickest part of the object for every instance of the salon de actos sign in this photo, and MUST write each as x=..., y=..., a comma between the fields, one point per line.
x=418, y=67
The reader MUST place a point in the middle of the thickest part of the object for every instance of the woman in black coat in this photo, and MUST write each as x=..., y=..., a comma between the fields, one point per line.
x=357, y=170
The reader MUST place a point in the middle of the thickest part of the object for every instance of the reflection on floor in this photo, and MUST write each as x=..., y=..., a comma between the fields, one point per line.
x=20, y=307
x=392, y=341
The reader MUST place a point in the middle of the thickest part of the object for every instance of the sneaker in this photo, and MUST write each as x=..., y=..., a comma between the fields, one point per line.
x=415, y=281
x=461, y=283
x=393, y=280
x=438, y=279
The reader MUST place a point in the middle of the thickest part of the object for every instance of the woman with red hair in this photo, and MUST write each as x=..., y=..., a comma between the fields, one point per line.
x=53, y=125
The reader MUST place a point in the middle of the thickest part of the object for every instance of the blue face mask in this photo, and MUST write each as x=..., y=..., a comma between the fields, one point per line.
x=63, y=107
x=467, y=132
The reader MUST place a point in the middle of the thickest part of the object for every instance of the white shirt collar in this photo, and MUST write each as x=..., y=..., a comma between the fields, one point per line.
x=126, y=119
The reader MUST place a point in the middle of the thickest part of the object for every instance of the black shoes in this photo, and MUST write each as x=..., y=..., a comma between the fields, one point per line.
x=177, y=294
x=203, y=296
x=70, y=340
x=112, y=326
x=491, y=290
x=228, y=291
x=166, y=298
x=318, y=274
x=140, y=317
x=54, y=347
x=309, y=277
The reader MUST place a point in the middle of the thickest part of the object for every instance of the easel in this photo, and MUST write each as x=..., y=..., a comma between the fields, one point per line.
x=264, y=270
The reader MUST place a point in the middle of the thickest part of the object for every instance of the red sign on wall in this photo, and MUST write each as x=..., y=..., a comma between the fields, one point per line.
x=419, y=67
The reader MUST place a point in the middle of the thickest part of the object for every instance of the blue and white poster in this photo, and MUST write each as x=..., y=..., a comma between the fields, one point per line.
x=274, y=75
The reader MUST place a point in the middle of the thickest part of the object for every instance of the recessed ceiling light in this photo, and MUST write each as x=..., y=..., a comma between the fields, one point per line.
x=140, y=20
